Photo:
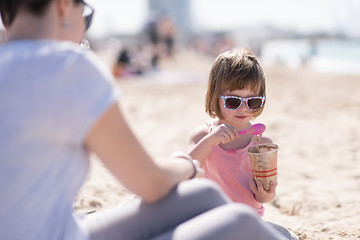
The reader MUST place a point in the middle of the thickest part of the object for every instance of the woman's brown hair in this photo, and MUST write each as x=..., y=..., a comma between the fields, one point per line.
x=10, y=8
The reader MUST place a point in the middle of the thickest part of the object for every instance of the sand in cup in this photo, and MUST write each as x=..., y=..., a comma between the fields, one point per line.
x=263, y=159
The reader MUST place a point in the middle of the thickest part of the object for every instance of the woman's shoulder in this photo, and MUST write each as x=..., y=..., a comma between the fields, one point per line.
x=66, y=51
x=71, y=51
x=81, y=64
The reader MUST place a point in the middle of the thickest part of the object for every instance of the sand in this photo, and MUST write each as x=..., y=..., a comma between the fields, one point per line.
x=312, y=116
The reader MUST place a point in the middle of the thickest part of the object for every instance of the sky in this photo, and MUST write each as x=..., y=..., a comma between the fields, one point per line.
x=128, y=16
x=294, y=14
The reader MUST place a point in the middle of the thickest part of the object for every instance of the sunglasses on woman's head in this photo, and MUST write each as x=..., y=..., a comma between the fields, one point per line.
x=234, y=102
x=88, y=15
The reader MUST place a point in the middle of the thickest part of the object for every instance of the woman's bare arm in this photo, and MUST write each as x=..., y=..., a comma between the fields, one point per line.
x=116, y=145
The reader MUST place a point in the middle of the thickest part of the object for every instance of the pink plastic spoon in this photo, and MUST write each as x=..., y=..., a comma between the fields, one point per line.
x=255, y=129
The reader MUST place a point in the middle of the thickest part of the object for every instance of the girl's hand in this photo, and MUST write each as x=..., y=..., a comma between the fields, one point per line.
x=261, y=195
x=222, y=134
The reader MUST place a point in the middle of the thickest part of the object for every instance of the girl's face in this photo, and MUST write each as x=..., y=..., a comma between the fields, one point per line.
x=240, y=117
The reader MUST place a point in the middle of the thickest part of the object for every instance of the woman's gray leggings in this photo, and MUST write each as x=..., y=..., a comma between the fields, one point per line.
x=195, y=209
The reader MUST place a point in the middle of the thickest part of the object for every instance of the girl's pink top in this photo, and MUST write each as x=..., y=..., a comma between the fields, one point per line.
x=231, y=169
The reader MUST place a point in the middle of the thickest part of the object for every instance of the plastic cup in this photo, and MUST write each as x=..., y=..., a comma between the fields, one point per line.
x=263, y=159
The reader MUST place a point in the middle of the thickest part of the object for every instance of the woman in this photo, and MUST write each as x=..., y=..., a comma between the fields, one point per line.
x=57, y=105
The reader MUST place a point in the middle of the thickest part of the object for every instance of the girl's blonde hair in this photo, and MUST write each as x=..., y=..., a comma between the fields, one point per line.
x=234, y=70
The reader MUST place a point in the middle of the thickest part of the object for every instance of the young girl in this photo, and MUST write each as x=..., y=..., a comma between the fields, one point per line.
x=235, y=96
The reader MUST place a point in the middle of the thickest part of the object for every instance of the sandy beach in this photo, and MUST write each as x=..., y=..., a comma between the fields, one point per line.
x=312, y=116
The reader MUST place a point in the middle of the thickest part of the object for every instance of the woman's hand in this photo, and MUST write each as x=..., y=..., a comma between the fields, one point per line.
x=197, y=170
x=262, y=195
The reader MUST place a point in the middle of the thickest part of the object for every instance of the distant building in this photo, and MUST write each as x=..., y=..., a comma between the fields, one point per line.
x=178, y=10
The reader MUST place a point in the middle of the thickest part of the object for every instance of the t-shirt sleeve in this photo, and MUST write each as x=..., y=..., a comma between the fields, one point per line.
x=88, y=91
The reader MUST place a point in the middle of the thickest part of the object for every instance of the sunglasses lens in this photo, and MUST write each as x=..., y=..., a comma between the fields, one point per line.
x=87, y=15
x=88, y=22
x=254, y=103
x=232, y=103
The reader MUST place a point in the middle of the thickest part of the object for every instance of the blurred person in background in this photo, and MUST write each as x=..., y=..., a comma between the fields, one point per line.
x=167, y=32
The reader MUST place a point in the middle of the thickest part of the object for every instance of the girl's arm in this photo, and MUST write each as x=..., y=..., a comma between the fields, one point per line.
x=116, y=145
x=200, y=145
x=202, y=142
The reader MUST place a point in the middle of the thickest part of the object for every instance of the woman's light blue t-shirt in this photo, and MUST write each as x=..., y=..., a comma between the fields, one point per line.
x=51, y=94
